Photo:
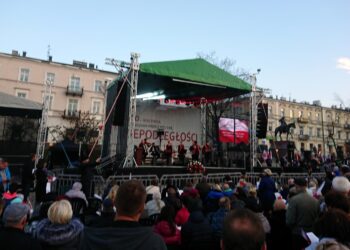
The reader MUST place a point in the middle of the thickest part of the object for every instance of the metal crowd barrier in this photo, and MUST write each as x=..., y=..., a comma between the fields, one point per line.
x=220, y=177
x=255, y=177
x=180, y=180
x=145, y=179
x=64, y=182
x=286, y=176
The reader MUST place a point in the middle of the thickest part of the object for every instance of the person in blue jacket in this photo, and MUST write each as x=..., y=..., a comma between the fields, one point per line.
x=266, y=191
x=5, y=176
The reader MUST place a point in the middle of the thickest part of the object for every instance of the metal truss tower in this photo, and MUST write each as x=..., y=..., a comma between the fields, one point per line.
x=134, y=67
x=253, y=120
x=43, y=129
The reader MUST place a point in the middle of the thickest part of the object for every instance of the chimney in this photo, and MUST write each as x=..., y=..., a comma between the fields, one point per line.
x=24, y=53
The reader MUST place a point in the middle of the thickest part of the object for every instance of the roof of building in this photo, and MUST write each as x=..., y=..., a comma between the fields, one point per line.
x=56, y=63
x=15, y=106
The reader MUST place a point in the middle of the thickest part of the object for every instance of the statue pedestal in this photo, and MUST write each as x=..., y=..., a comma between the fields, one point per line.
x=282, y=148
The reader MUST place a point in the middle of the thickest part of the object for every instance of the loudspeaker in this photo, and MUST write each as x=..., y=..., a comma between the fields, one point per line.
x=121, y=105
x=262, y=116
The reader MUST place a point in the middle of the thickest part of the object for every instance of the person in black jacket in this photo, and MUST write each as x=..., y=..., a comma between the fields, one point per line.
x=27, y=176
x=125, y=232
x=197, y=232
x=12, y=236
x=41, y=181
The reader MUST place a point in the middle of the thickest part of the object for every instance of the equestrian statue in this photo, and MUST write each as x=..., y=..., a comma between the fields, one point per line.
x=284, y=128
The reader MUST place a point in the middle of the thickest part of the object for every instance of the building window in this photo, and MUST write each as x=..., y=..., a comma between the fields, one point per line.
x=24, y=75
x=96, y=107
x=50, y=77
x=317, y=117
x=318, y=132
x=98, y=86
x=21, y=94
x=302, y=146
x=348, y=136
x=74, y=84
x=309, y=115
x=282, y=112
x=301, y=130
x=270, y=127
x=311, y=146
x=300, y=113
x=72, y=106
x=339, y=134
x=291, y=113
x=310, y=131
x=270, y=110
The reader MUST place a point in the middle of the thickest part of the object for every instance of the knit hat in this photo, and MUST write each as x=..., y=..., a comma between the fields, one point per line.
x=77, y=186
x=341, y=184
x=15, y=212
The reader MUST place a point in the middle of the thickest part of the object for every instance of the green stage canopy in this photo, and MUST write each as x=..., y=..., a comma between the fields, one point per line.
x=196, y=70
x=189, y=79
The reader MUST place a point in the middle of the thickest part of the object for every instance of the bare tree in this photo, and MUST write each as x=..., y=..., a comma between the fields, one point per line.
x=216, y=109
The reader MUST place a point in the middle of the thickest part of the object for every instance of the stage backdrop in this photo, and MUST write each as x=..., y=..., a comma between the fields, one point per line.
x=178, y=123
x=227, y=130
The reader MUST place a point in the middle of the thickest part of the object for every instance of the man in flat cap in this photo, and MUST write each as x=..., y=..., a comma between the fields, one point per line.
x=12, y=235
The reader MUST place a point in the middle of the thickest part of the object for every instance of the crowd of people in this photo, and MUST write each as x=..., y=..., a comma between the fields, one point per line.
x=170, y=153
x=301, y=214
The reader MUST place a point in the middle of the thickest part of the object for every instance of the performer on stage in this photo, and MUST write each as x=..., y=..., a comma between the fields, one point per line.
x=195, y=149
x=144, y=145
x=168, y=153
x=206, y=151
x=155, y=152
x=181, y=152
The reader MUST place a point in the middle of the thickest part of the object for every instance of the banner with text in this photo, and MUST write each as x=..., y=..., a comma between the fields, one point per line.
x=231, y=128
x=178, y=124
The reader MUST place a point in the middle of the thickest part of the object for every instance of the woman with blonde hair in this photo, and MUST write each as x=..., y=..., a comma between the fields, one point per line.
x=112, y=194
x=60, y=230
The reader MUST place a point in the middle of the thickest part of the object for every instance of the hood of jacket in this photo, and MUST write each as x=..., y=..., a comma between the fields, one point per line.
x=58, y=234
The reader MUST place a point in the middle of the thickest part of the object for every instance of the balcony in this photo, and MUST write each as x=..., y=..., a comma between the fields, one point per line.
x=302, y=120
x=304, y=137
x=71, y=114
x=74, y=91
x=347, y=126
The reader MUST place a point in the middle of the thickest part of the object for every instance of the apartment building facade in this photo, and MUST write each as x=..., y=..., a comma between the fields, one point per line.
x=317, y=127
x=77, y=88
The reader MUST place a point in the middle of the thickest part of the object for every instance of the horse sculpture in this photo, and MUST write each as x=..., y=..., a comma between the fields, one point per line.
x=284, y=129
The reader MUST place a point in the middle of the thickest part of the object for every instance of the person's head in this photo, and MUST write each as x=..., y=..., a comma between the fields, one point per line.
x=108, y=206
x=154, y=182
x=337, y=200
x=168, y=214
x=334, y=224
x=16, y=215
x=225, y=203
x=341, y=184
x=279, y=205
x=2, y=163
x=60, y=212
x=226, y=186
x=13, y=188
x=267, y=172
x=130, y=202
x=77, y=186
x=242, y=230
x=300, y=184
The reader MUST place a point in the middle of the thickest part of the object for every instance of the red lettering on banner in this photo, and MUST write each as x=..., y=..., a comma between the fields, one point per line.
x=136, y=134
x=171, y=136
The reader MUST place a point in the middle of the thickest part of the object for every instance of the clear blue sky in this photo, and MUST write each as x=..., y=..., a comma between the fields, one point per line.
x=297, y=44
